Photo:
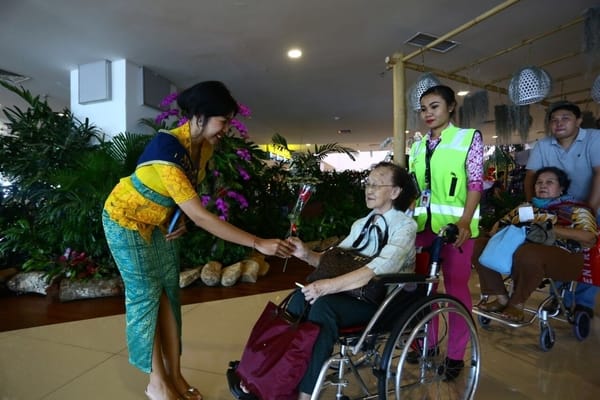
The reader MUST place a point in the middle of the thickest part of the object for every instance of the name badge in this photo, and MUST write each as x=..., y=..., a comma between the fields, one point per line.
x=425, y=197
x=525, y=213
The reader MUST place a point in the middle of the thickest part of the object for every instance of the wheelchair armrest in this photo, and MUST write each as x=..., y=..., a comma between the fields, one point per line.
x=390, y=279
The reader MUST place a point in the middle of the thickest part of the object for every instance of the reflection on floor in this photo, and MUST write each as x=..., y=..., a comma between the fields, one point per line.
x=88, y=359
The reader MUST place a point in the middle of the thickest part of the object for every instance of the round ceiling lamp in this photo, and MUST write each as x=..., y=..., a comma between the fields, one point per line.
x=596, y=90
x=529, y=85
x=424, y=82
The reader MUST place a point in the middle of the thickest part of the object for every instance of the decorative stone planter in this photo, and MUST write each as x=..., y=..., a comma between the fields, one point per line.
x=29, y=282
x=88, y=289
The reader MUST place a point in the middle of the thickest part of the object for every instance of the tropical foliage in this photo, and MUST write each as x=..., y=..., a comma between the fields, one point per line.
x=60, y=171
x=59, y=174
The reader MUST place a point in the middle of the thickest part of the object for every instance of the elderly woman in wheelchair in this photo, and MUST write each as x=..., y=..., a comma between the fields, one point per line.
x=559, y=228
x=394, y=346
x=388, y=232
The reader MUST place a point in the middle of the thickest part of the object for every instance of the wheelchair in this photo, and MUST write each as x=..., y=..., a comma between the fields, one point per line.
x=552, y=307
x=401, y=352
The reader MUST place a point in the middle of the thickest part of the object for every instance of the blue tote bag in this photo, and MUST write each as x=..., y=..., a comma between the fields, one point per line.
x=498, y=253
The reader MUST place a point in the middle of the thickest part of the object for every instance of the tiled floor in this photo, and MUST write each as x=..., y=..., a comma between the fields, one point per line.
x=88, y=359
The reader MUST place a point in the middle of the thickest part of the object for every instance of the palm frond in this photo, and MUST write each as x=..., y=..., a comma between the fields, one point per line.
x=324, y=150
x=22, y=93
x=279, y=142
x=125, y=144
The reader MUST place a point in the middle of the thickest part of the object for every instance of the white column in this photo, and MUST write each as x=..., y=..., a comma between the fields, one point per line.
x=123, y=109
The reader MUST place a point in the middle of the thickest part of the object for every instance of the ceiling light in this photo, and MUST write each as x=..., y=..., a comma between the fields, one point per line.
x=294, y=53
x=462, y=93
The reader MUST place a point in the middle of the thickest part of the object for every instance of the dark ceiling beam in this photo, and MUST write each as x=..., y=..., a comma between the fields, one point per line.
x=462, y=28
x=455, y=77
x=524, y=42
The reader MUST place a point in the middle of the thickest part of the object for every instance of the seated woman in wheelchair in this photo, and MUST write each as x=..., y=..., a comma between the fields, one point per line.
x=556, y=252
x=388, y=193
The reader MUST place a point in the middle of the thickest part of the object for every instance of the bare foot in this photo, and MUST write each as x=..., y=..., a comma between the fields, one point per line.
x=160, y=392
x=186, y=391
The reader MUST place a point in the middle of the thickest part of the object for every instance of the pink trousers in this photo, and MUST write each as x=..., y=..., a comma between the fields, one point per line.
x=456, y=271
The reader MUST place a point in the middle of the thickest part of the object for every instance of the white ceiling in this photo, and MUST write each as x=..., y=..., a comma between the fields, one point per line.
x=341, y=82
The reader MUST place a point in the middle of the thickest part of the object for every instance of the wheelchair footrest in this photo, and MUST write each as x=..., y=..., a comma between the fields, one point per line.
x=233, y=381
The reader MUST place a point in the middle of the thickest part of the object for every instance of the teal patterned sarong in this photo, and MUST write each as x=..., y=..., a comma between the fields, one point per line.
x=147, y=269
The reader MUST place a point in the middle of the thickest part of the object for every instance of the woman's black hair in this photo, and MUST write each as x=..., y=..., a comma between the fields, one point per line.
x=208, y=99
x=563, y=179
x=445, y=93
x=400, y=178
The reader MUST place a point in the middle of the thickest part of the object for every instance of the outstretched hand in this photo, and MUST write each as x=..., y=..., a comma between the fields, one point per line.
x=300, y=250
x=275, y=247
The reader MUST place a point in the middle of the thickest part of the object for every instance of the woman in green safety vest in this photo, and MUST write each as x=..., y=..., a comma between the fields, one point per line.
x=448, y=165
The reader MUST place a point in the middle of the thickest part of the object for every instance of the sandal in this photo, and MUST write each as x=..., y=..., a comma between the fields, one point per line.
x=513, y=314
x=494, y=306
x=192, y=394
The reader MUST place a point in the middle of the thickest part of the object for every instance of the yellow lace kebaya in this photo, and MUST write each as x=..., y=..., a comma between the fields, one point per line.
x=132, y=208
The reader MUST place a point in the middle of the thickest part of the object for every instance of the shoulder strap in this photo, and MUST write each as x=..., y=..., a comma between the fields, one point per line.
x=166, y=148
x=365, y=233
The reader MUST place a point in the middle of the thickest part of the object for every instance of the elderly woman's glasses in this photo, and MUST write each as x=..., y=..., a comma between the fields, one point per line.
x=372, y=186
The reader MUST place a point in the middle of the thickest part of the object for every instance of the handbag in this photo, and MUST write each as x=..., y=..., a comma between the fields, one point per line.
x=498, y=253
x=277, y=353
x=541, y=233
x=337, y=261
x=590, y=273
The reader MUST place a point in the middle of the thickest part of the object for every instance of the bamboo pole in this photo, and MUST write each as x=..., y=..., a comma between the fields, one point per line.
x=457, y=78
x=464, y=27
x=575, y=75
x=519, y=45
x=399, y=83
x=542, y=65
x=565, y=94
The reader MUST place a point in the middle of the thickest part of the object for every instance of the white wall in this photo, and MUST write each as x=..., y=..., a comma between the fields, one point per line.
x=364, y=160
x=124, y=109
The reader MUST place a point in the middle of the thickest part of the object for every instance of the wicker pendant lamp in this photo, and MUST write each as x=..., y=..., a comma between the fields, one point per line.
x=529, y=85
x=424, y=82
x=596, y=90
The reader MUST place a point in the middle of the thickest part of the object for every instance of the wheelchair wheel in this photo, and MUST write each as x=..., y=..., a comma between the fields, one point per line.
x=581, y=325
x=429, y=375
x=546, y=338
x=483, y=321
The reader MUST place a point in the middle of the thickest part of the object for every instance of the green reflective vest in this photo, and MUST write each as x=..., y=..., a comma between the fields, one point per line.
x=448, y=179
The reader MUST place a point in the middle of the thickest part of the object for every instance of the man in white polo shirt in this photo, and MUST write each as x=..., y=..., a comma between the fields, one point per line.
x=576, y=151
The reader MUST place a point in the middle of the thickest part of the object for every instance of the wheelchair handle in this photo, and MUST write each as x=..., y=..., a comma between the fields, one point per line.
x=449, y=233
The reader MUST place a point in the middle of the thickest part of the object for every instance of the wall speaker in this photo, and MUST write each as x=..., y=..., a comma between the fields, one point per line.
x=94, y=82
x=154, y=89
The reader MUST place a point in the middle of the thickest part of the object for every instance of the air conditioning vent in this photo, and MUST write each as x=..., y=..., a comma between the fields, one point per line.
x=12, y=78
x=423, y=39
